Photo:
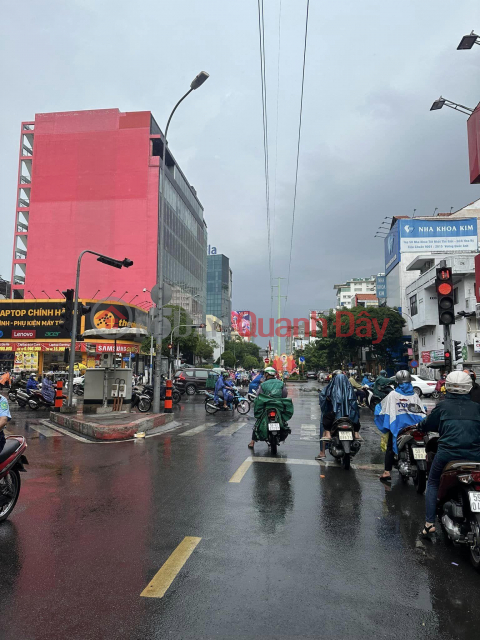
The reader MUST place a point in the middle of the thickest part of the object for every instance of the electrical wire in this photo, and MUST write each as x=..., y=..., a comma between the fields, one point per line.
x=261, y=34
x=276, y=142
x=298, y=149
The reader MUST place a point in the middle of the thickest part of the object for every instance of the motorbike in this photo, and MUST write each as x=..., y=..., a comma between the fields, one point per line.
x=23, y=397
x=142, y=396
x=12, y=461
x=343, y=445
x=36, y=401
x=371, y=399
x=141, y=400
x=276, y=432
x=251, y=395
x=458, y=506
x=18, y=384
x=238, y=402
x=411, y=460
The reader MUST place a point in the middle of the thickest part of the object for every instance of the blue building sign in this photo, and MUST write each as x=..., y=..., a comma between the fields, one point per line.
x=416, y=236
x=381, y=286
x=392, y=249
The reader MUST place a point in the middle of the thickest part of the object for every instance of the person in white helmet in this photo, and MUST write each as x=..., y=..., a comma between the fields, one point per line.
x=272, y=387
x=457, y=420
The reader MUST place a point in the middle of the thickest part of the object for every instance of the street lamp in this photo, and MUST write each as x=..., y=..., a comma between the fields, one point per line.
x=467, y=42
x=118, y=264
x=443, y=102
x=195, y=84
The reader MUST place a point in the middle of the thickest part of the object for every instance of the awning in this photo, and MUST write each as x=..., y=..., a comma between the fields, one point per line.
x=127, y=333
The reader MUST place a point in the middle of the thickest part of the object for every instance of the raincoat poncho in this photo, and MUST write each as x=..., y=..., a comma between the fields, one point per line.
x=339, y=398
x=400, y=409
x=271, y=398
x=48, y=391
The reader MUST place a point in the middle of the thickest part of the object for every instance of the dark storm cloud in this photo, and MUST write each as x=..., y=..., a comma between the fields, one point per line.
x=370, y=146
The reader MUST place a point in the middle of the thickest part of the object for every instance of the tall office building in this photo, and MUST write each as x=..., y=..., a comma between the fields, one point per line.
x=90, y=180
x=219, y=289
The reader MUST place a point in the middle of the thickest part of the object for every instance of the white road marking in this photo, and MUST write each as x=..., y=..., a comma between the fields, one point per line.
x=48, y=432
x=199, y=429
x=309, y=432
x=246, y=464
x=228, y=431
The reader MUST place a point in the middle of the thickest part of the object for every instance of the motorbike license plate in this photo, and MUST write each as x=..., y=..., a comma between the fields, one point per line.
x=474, y=497
x=274, y=426
x=419, y=453
x=345, y=435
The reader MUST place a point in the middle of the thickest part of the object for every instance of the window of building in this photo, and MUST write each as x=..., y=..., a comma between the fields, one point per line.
x=413, y=305
x=423, y=341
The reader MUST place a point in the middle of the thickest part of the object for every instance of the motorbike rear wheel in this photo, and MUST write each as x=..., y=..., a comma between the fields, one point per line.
x=12, y=396
x=346, y=461
x=176, y=396
x=273, y=444
x=144, y=405
x=33, y=404
x=420, y=481
x=13, y=478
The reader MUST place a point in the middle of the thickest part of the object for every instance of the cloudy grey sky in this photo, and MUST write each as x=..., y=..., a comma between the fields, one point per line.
x=370, y=146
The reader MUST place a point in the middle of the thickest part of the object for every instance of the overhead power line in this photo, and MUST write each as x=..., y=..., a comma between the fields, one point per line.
x=261, y=35
x=298, y=148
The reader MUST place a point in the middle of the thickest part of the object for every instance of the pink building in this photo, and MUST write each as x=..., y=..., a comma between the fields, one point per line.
x=90, y=180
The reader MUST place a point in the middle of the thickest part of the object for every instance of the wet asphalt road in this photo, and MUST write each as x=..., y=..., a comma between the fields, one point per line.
x=292, y=550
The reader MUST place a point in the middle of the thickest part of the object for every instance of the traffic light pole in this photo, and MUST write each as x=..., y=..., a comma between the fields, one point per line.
x=447, y=346
x=73, y=340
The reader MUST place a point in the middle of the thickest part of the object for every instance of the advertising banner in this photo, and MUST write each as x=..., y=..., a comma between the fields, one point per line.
x=242, y=323
x=416, y=236
x=381, y=286
x=26, y=360
x=392, y=249
x=39, y=319
x=426, y=357
x=442, y=235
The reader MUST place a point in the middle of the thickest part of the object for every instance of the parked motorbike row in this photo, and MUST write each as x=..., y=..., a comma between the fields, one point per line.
x=142, y=396
x=33, y=399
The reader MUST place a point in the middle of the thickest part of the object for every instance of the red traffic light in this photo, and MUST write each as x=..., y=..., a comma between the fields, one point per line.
x=447, y=355
x=445, y=288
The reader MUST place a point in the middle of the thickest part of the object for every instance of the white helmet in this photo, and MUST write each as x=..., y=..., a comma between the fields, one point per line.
x=458, y=382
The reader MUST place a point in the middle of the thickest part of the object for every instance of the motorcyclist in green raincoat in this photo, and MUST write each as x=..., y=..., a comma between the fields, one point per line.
x=271, y=388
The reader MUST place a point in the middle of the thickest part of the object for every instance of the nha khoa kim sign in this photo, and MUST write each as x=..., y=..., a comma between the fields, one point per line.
x=417, y=236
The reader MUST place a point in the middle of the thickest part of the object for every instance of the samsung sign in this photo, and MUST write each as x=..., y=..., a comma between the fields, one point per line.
x=418, y=236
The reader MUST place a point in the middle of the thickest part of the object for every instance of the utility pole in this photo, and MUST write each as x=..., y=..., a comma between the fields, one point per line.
x=279, y=298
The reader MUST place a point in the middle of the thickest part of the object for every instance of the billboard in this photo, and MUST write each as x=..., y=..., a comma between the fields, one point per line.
x=242, y=323
x=473, y=131
x=441, y=235
x=381, y=287
x=392, y=248
x=445, y=234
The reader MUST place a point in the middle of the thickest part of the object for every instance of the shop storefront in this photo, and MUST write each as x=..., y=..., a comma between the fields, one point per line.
x=32, y=340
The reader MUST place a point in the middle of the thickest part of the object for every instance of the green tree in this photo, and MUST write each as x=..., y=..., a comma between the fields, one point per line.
x=228, y=359
x=204, y=348
x=250, y=362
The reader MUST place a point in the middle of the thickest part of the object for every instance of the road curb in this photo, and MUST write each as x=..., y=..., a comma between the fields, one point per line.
x=120, y=431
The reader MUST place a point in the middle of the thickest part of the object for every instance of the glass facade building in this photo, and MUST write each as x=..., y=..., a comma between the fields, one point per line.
x=219, y=288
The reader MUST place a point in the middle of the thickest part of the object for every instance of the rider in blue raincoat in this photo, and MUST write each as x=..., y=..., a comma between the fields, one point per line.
x=366, y=381
x=221, y=390
x=255, y=383
x=400, y=409
x=338, y=400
